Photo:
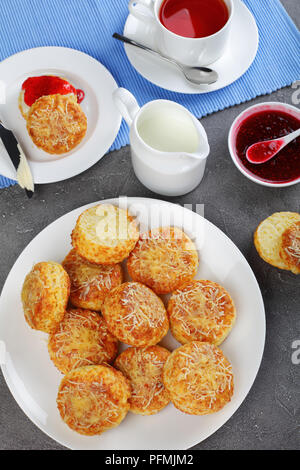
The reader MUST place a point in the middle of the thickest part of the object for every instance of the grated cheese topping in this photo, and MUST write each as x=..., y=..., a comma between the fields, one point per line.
x=56, y=123
x=143, y=367
x=169, y=247
x=87, y=404
x=82, y=339
x=143, y=308
x=163, y=259
x=86, y=276
x=204, y=374
x=293, y=248
x=202, y=308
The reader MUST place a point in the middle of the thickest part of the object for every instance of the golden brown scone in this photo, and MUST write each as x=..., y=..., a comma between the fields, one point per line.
x=90, y=283
x=104, y=234
x=198, y=378
x=268, y=236
x=45, y=295
x=56, y=123
x=135, y=315
x=81, y=339
x=163, y=259
x=143, y=368
x=201, y=311
x=93, y=399
x=290, y=248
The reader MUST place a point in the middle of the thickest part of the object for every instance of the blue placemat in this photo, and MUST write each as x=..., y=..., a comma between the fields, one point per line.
x=88, y=25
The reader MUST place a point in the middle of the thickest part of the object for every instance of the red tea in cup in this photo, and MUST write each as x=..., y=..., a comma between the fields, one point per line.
x=193, y=18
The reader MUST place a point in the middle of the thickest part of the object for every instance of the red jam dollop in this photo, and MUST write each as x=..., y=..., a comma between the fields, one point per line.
x=35, y=87
x=268, y=125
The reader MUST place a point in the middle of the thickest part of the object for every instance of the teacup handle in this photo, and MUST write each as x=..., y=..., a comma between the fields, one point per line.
x=126, y=104
x=137, y=13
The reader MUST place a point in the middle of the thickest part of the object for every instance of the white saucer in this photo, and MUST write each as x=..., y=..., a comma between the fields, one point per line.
x=103, y=118
x=240, y=53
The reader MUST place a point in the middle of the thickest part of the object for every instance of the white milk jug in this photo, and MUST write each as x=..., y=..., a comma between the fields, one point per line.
x=169, y=146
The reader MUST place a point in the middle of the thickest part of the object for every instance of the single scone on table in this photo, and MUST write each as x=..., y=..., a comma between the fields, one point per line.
x=277, y=240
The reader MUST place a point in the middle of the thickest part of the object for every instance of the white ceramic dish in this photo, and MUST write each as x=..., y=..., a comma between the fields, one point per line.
x=239, y=55
x=85, y=73
x=33, y=379
x=269, y=105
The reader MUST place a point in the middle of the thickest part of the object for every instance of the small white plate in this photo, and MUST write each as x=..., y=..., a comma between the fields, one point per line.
x=103, y=118
x=33, y=379
x=239, y=55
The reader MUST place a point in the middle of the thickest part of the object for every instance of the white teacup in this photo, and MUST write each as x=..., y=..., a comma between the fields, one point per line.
x=188, y=51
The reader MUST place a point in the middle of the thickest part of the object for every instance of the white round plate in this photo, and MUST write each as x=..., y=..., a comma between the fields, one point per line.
x=239, y=55
x=103, y=118
x=33, y=379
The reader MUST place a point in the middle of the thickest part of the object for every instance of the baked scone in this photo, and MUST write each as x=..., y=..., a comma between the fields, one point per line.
x=268, y=237
x=201, y=311
x=163, y=259
x=45, y=295
x=93, y=399
x=143, y=368
x=135, y=315
x=90, y=283
x=198, y=378
x=290, y=247
x=81, y=339
x=56, y=123
x=104, y=234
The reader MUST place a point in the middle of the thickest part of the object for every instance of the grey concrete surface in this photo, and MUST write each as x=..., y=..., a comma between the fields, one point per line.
x=269, y=417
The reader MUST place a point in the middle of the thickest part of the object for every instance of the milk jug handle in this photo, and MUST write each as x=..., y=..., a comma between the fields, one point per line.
x=126, y=104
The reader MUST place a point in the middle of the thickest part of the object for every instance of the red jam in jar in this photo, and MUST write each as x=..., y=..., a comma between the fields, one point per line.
x=267, y=125
x=35, y=87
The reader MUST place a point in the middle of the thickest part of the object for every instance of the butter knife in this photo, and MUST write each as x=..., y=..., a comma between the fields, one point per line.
x=18, y=159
